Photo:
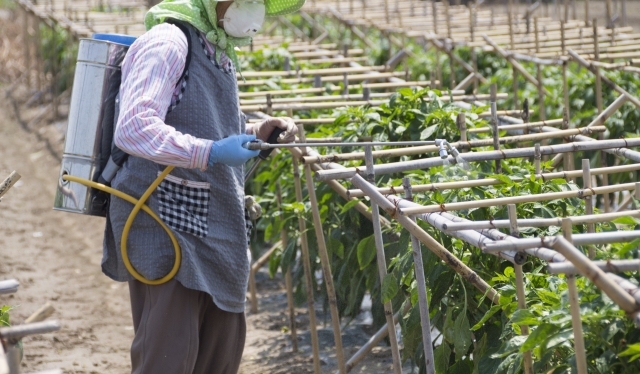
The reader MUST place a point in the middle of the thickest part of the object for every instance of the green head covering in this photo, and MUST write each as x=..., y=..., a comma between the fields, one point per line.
x=201, y=14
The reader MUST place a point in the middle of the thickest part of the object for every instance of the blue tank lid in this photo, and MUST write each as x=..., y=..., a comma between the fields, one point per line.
x=116, y=38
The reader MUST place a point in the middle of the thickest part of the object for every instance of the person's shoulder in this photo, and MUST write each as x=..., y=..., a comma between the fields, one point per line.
x=163, y=34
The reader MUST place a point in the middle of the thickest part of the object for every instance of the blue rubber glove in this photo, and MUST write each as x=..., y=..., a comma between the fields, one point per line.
x=230, y=151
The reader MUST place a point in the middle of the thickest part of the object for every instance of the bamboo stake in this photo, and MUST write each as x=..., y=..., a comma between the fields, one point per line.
x=308, y=276
x=520, y=291
x=537, y=158
x=598, y=83
x=541, y=95
x=586, y=12
x=435, y=246
x=494, y=126
x=514, y=71
x=27, y=45
x=397, y=167
x=565, y=82
x=609, y=266
x=500, y=201
x=284, y=238
x=253, y=291
x=423, y=302
x=9, y=182
x=382, y=266
x=326, y=264
x=588, y=201
x=574, y=306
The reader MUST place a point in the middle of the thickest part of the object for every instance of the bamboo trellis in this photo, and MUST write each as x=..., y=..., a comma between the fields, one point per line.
x=444, y=27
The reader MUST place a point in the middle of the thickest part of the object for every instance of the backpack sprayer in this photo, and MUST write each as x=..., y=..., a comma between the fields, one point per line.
x=90, y=160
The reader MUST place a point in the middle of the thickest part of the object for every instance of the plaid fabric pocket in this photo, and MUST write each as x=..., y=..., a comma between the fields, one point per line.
x=184, y=205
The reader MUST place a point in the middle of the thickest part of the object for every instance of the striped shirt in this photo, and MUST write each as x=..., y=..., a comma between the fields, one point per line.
x=150, y=73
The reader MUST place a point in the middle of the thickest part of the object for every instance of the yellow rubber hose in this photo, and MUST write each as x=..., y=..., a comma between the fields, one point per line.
x=138, y=204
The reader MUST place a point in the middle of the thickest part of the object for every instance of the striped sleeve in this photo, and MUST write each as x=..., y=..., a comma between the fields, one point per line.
x=150, y=72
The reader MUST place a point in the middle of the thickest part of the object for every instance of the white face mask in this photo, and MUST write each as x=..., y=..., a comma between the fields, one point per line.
x=244, y=18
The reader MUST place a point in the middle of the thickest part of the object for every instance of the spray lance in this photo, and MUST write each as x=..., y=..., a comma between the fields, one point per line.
x=267, y=147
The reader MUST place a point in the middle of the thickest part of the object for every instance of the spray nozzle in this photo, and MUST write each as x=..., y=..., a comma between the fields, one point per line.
x=443, y=150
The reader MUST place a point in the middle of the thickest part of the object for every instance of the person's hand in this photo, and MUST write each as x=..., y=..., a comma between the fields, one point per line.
x=230, y=151
x=266, y=127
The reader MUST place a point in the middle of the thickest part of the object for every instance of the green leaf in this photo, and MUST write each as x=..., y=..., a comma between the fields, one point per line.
x=512, y=345
x=366, y=251
x=448, y=330
x=524, y=317
x=494, y=309
x=632, y=350
x=336, y=247
x=462, y=335
x=626, y=221
x=441, y=358
x=389, y=287
x=349, y=205
x=426, y=133
x=539, y=335
x=288, y=256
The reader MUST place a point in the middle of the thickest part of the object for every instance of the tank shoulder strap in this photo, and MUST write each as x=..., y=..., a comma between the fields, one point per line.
x=185, y=29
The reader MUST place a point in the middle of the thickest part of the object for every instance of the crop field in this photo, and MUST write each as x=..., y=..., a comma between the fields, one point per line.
x=500, y=236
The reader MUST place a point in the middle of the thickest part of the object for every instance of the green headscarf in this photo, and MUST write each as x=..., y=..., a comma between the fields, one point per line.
x=201, y=14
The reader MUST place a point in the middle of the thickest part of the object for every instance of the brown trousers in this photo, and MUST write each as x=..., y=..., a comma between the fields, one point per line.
x=181, y=331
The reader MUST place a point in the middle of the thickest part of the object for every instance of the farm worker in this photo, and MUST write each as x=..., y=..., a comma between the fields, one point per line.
x=179, y=106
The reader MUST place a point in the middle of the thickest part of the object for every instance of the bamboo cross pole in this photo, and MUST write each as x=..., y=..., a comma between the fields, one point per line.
x=539, y=222
x=308, y=275
x=476, y=238
x=398, y=167
x=435, y=246
x=9, y=286
x=609, y=266
x=606, y=80
x=578, y=239
x=522, y=126
x=373, y=342
x=461, y=145
x=520, y=290
x=382, y=266
x=287, y=276
x=514, y=63
x=326, y=264
x=574, y=306
x=425, y=322
x=501, y=201
x=9, y=182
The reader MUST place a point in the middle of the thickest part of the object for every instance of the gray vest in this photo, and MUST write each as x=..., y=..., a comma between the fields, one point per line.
x=204, y=209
